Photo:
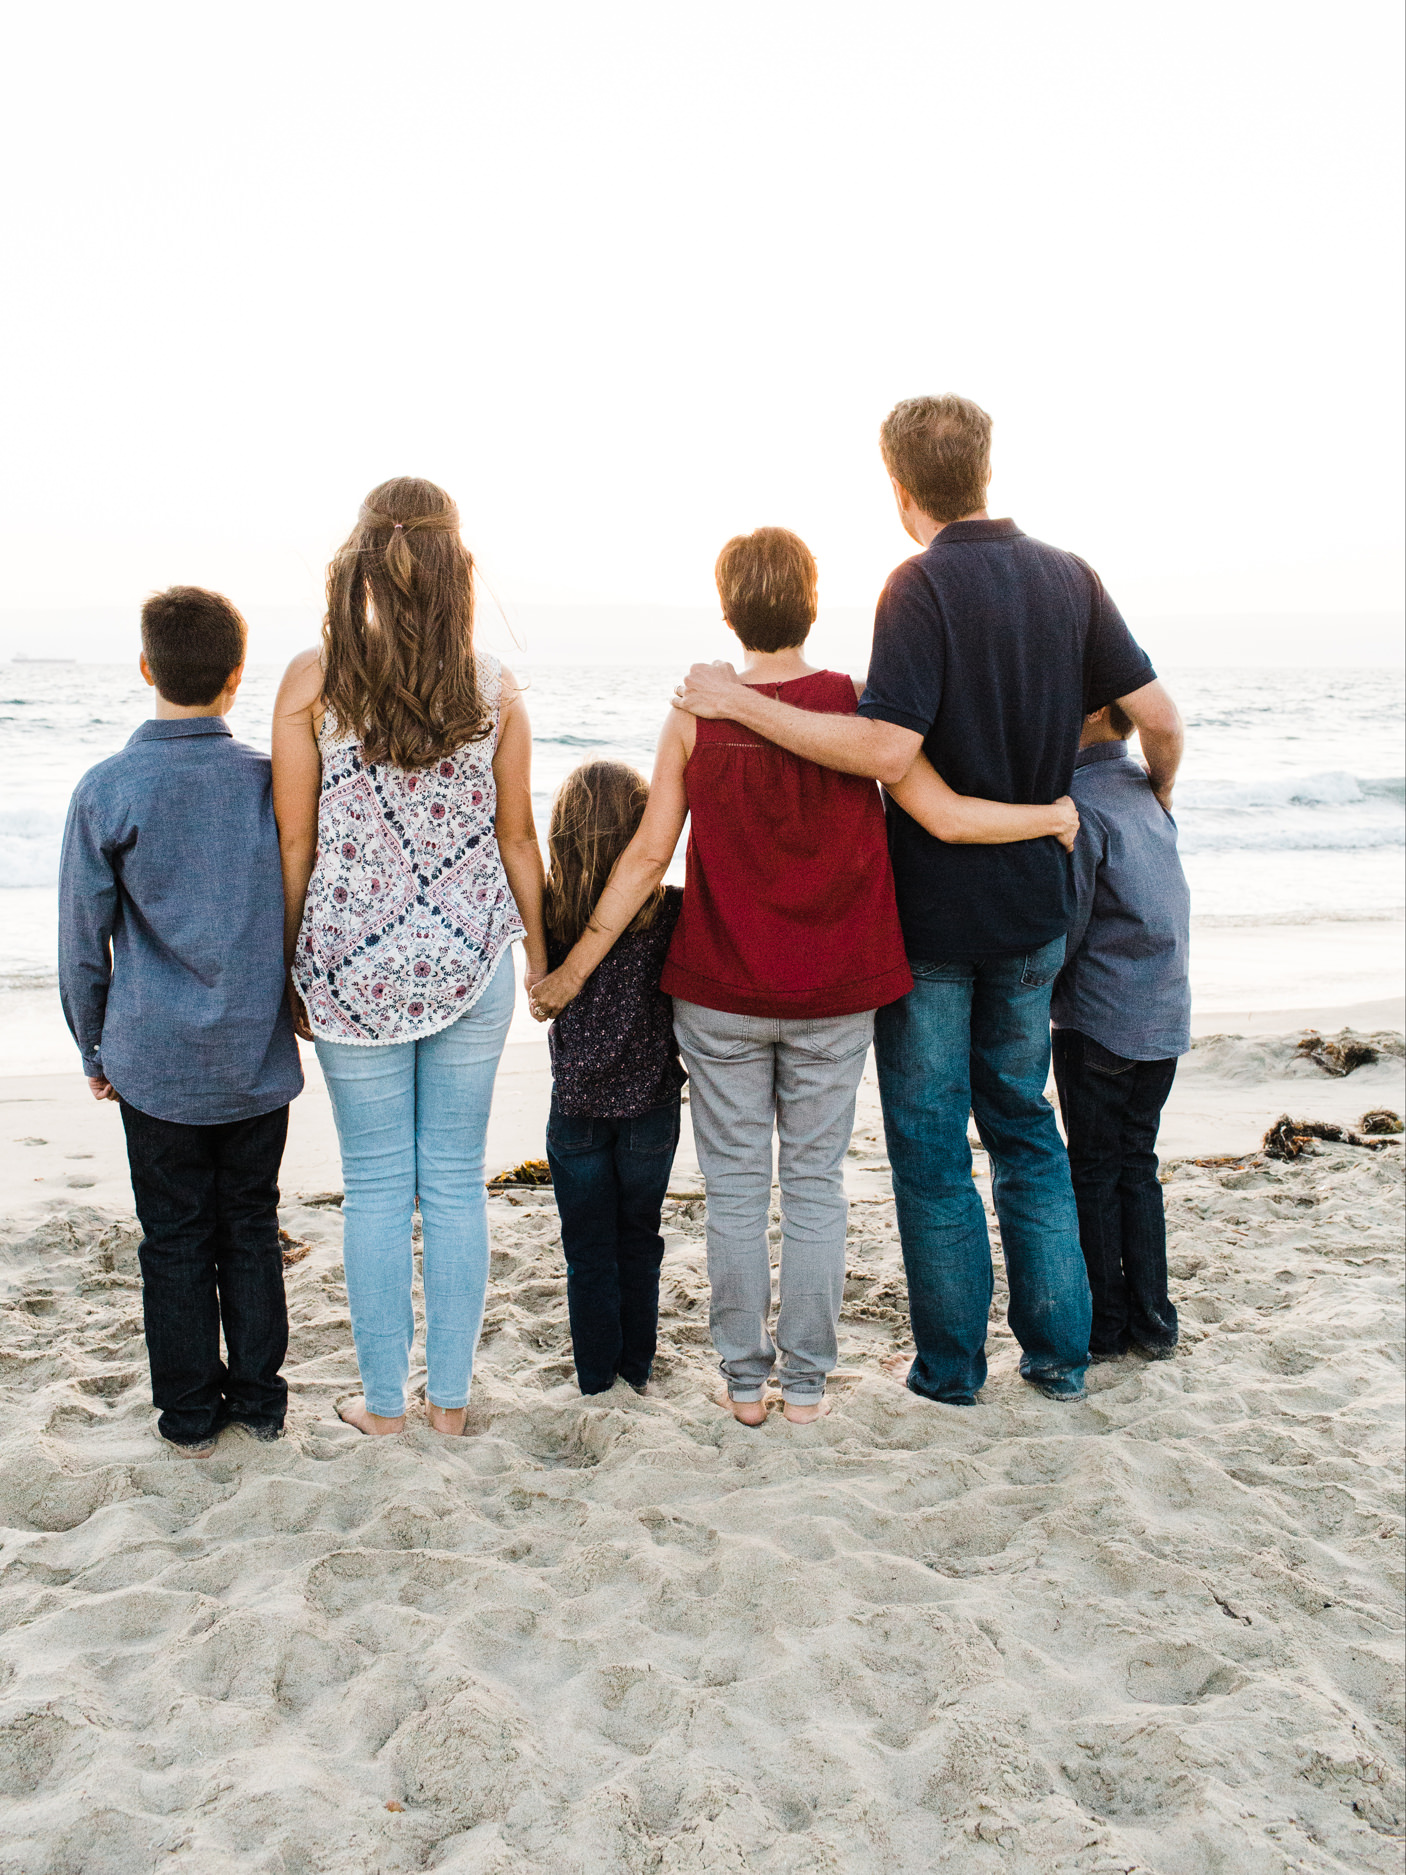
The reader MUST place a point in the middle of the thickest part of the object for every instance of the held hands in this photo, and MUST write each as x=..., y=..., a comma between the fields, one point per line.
x=1066, y=827
x=709, y=690
x=547, y=996
x=298, y=1010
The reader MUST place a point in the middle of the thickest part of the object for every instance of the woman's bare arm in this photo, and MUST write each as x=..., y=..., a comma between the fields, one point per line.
x=514, y=825
x=634, y=875
x=966, y=820
x=297, y=783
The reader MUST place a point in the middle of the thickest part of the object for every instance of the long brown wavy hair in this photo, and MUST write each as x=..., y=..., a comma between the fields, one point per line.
x=595, y=816
x=398, y=639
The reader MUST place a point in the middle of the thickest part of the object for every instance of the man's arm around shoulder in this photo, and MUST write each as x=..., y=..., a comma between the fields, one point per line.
x=855, y=745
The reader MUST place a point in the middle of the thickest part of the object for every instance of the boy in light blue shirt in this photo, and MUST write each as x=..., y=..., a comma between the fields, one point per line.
x=172, y=979
x=1122, y=1016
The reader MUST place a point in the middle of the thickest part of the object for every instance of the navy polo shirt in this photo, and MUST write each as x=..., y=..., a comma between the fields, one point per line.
x=993, y=646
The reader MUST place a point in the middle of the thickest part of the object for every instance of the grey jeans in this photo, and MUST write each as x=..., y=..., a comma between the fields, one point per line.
x=746, y=1074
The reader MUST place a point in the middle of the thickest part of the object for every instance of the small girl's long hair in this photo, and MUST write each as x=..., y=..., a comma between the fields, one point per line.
x=398, y=639
x=595, y=816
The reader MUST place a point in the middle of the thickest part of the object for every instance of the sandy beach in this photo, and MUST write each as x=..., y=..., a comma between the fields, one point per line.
x=1156, y=1631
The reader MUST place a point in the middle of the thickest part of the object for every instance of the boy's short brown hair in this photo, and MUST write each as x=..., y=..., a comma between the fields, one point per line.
x=194, y=642
x=939, y=449
x=1119, y=721
x=767, y=582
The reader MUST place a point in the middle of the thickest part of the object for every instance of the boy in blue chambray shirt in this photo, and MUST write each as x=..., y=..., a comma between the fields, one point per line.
x=172, y=979
x=1122, y=1015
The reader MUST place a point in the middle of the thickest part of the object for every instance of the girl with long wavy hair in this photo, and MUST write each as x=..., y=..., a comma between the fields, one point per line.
x=402, y=786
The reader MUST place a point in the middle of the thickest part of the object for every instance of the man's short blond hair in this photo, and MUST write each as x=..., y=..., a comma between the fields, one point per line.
x=939, y=449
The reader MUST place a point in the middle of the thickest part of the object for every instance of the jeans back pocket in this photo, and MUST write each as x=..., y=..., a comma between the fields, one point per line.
x=1101, y=1060
x=1044, y=965
x=573, y=1132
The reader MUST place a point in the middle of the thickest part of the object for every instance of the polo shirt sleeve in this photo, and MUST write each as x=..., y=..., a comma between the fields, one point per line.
x=1117, y=663
x=907, y=664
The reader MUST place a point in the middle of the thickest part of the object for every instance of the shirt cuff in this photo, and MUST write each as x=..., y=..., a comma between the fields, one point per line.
x=886, y=713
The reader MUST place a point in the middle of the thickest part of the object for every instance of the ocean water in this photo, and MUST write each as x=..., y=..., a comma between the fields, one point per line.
x=1291, y=805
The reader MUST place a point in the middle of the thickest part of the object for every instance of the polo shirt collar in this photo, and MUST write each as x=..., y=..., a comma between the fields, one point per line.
x=1101, y=752
x=978, y=530
x=167, y=728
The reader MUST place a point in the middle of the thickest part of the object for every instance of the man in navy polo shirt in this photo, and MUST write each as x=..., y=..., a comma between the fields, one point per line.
x=990, y=648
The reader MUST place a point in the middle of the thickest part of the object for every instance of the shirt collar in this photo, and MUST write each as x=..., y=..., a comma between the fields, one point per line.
x=1101, y=752
x=956, y=531
x=166, y=728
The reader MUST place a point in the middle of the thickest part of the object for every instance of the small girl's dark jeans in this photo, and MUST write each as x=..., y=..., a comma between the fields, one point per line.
x=610, y=1178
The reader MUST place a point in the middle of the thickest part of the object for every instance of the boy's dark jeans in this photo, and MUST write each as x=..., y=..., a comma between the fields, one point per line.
x=1112, y=1107
x=610, y=1178
x=207, y=1200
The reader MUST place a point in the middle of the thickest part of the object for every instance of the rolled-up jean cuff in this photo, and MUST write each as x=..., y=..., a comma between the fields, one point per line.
x=804, y=1396
x=745, y=1396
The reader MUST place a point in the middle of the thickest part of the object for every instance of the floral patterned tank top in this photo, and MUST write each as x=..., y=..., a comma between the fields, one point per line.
x=408, y=910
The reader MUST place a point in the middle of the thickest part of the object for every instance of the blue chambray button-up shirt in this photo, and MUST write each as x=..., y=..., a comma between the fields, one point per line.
x=171, y=926
x=1125, y=982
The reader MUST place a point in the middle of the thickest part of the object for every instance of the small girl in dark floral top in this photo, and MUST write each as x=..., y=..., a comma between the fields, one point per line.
x=616, y=1076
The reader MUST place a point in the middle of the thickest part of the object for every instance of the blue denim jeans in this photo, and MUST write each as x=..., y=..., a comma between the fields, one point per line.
x=973, y=1036
x=412, y=1119
x=610, y=1179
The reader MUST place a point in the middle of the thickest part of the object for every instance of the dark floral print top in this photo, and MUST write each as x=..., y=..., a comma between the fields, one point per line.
x=613, y=1050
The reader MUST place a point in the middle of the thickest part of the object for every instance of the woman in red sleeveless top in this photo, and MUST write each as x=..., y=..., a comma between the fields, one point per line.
x=787, y=942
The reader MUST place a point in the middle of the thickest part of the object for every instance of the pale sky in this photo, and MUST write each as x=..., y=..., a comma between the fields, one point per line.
x=630, y=278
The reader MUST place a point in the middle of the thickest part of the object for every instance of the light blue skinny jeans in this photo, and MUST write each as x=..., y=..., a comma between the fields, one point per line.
x=412, y=1119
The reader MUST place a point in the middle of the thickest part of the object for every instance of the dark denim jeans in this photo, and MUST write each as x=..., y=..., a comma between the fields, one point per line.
x=1112, y=1107
x=611, y=1178
x=207, y=1201
x=973, y=1036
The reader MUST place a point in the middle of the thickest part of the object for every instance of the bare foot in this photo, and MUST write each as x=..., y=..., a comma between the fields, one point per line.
x=357, y=1413
x=897, y=1365
x=447, y=1419
x=746, y=1412
x=191, y=1451
x=805, y=1415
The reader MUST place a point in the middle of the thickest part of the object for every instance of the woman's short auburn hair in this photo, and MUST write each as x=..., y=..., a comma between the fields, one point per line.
x=767, y=582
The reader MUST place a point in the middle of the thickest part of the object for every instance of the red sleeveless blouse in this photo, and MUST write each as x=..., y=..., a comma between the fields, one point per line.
x=788, y=906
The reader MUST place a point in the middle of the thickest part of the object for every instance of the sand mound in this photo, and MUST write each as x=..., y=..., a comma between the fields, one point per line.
x=1158, y=1631
x=1307, y=1056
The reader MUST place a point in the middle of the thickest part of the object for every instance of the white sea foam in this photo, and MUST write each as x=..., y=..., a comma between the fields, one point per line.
x=1336, y=789
x=30, y=836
